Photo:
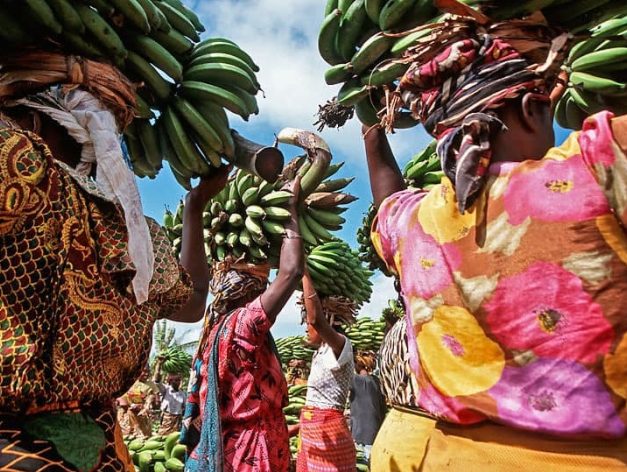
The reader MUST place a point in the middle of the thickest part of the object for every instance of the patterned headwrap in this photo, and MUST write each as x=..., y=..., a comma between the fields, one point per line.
x=235, y=284
x=461, y=72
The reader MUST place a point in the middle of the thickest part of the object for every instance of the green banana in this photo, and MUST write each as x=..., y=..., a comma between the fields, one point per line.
x=102, y=32
x=370, y=51
x=599, y=59
x=222, y=46
x=201, y=91
x=222, y=74
x=256, y=212
x=330, y=6
x=352, y=92
x=191, y=16
x=42, y=14
x=182, y=145
x=152, y=79
x=597, y=84
x=350, y=29
x=216, y=117
x=277, y=213
x=197, y=122
x=157, y=54
x=250, y=196
x=325, y=218
x=153, y=14
x=173, y=41
x=179, y=21
x=338, y=73
x=222, y=58
x=134, y=13
x=306, y=232
x=67, y=16
x=392, y=13
x=373, y=9
x=275, y=198
x=327, y=46
x=405, y=42
x=149, y=139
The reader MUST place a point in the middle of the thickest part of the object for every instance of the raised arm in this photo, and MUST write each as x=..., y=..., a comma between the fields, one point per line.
x=193, y=257
x=385, y=176
x=317, y=320
x=290, y=263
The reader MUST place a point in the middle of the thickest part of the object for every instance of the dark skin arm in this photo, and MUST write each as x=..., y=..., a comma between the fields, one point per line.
x=318, y=327
x=290, y=263
x=385, y=176
x=193, y=257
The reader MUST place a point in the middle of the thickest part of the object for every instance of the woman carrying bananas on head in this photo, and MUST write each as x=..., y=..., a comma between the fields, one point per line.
x=512, y=270
x=84, y=273
x=234, y=418
x=325, y=440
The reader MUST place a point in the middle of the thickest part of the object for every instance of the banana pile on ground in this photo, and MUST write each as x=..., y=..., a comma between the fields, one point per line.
x=336, y=270
x=293, y=348
x=156, y=44
x=366, y=334
x=362, y=39
x=246, y=219
x=597, y=71
x=176, y=361
x=157, y=454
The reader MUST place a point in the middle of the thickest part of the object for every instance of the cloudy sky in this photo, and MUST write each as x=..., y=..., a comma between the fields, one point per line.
x=281, y=36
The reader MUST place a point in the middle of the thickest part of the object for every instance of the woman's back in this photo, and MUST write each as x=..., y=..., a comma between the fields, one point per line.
x=518, y=304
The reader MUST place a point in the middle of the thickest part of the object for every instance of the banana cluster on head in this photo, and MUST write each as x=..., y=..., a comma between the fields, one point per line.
x=597, y=70
x=362, y=41
x=188, y=83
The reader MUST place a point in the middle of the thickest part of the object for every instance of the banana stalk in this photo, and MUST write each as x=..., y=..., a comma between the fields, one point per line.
x=263, y=161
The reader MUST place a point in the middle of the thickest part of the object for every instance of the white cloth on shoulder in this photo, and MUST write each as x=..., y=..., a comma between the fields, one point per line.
x=93, y=126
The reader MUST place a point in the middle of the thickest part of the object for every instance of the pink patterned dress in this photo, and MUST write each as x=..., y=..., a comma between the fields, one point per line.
x=516, y=308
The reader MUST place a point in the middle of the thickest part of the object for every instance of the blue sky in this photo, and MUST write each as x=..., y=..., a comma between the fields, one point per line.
x=281, y=36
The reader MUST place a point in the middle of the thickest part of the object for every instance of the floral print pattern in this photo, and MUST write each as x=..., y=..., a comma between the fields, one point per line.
x=516, y=308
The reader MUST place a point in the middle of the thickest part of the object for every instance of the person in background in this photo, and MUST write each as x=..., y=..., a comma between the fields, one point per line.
x=513, y=270
x=142, y=397
x=325, y=440
x=367, y=404
x=234, y=419
x=172, y=400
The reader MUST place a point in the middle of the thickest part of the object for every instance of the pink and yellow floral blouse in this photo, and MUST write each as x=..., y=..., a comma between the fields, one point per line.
x=517, y=309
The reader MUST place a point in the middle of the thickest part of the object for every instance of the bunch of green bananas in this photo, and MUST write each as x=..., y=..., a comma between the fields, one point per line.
x=337, y=271
x=246, y=219
x=176, y=361
x=424, y=169
x=597, y=69
x=293, y=348
x=361, y=39
x=362, y=462
x=394, y=310
x=367, y=252
x=297, y=395
x=366, y=334
x=157, y=454
x=156, y=44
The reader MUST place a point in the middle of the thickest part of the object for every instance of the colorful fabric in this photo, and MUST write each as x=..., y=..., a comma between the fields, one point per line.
x=251, y=394
x=330, y=378
x=71, y=330
x=20, y=451
x=397, y=384
x=516, y=308
x=460, y=72
x=437, y=446
x=326, y=444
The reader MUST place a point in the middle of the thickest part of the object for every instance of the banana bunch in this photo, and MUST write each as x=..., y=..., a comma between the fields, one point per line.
x=597, y=69
x=360, y=40
x=188, y=83
x=367, y=252
x=394, y=310
x=293, y=348
x=337, y=271
x=424, y=169
x=158, y=453
x=323, y=207
x=297, y=395
x=366, y=334
x=173, y=226
x=362, y=461
x=176, y=361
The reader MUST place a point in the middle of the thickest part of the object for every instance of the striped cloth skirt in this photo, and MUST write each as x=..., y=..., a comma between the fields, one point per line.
x=326, y=444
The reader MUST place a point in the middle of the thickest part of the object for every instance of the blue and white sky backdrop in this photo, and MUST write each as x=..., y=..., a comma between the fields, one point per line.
x=281, y=36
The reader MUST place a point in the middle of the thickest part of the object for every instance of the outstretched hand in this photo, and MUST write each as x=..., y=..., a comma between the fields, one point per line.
x=209, y=186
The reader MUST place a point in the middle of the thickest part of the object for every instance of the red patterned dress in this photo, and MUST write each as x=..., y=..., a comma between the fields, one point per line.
x=252, y=394
x=72, y=337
